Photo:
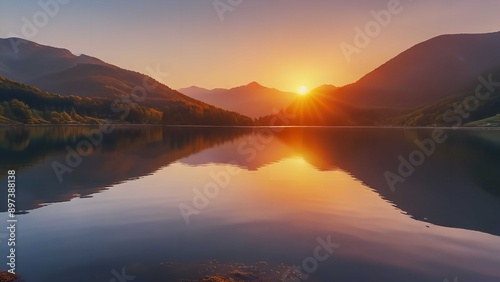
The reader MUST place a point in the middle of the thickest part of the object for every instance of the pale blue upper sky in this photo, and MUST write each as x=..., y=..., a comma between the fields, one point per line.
x=279, y=43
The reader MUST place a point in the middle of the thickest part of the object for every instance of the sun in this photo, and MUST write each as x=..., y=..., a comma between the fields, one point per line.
x=303, y=90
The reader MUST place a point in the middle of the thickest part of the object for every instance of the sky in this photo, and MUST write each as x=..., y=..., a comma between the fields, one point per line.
x=284, y=44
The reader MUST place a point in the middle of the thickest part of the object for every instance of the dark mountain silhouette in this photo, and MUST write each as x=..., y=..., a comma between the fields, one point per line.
x=466, y=108
x=427, y=72
x=253, y=99
x=59, y=71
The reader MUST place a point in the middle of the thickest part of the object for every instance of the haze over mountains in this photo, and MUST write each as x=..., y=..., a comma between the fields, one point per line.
x=253, y=99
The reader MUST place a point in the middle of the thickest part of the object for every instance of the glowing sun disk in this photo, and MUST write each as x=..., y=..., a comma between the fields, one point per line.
x=303, y=90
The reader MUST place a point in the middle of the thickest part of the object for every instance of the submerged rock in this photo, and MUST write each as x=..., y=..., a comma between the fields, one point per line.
x=213, y=271
x=217, y=279
x=9, y=277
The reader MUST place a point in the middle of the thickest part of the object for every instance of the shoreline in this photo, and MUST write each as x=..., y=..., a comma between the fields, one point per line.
x=255, y=126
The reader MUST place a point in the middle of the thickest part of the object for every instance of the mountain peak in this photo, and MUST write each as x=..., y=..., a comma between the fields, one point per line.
x=23, y=46
x=192, y=89
x=325, y=88
x=85, y=59
x=254, y=84
x=253, y=99
x=37, y=59
x=428, y=71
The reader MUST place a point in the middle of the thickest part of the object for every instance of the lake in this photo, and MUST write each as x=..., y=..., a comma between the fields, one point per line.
x=262, y=204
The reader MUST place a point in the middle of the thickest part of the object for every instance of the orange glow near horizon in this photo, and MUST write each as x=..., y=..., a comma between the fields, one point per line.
x=190, y=48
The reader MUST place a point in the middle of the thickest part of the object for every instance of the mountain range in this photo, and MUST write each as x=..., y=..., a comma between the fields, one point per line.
x=58, y=71
x=253, y=99
x=426, y=85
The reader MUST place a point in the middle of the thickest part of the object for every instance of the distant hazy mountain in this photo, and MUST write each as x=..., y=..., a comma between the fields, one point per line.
x=253, y=99
x=59, y=71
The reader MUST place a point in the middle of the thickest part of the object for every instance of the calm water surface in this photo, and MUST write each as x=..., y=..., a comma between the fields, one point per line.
x=165, y=204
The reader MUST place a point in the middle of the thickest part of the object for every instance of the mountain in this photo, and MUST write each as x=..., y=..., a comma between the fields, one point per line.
x=59, y=71
x=22, y=104
x=22, y=60
x=427, y=72
x=324, y=89
x=416, y=88
x=462, y=109
x=253, y=99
